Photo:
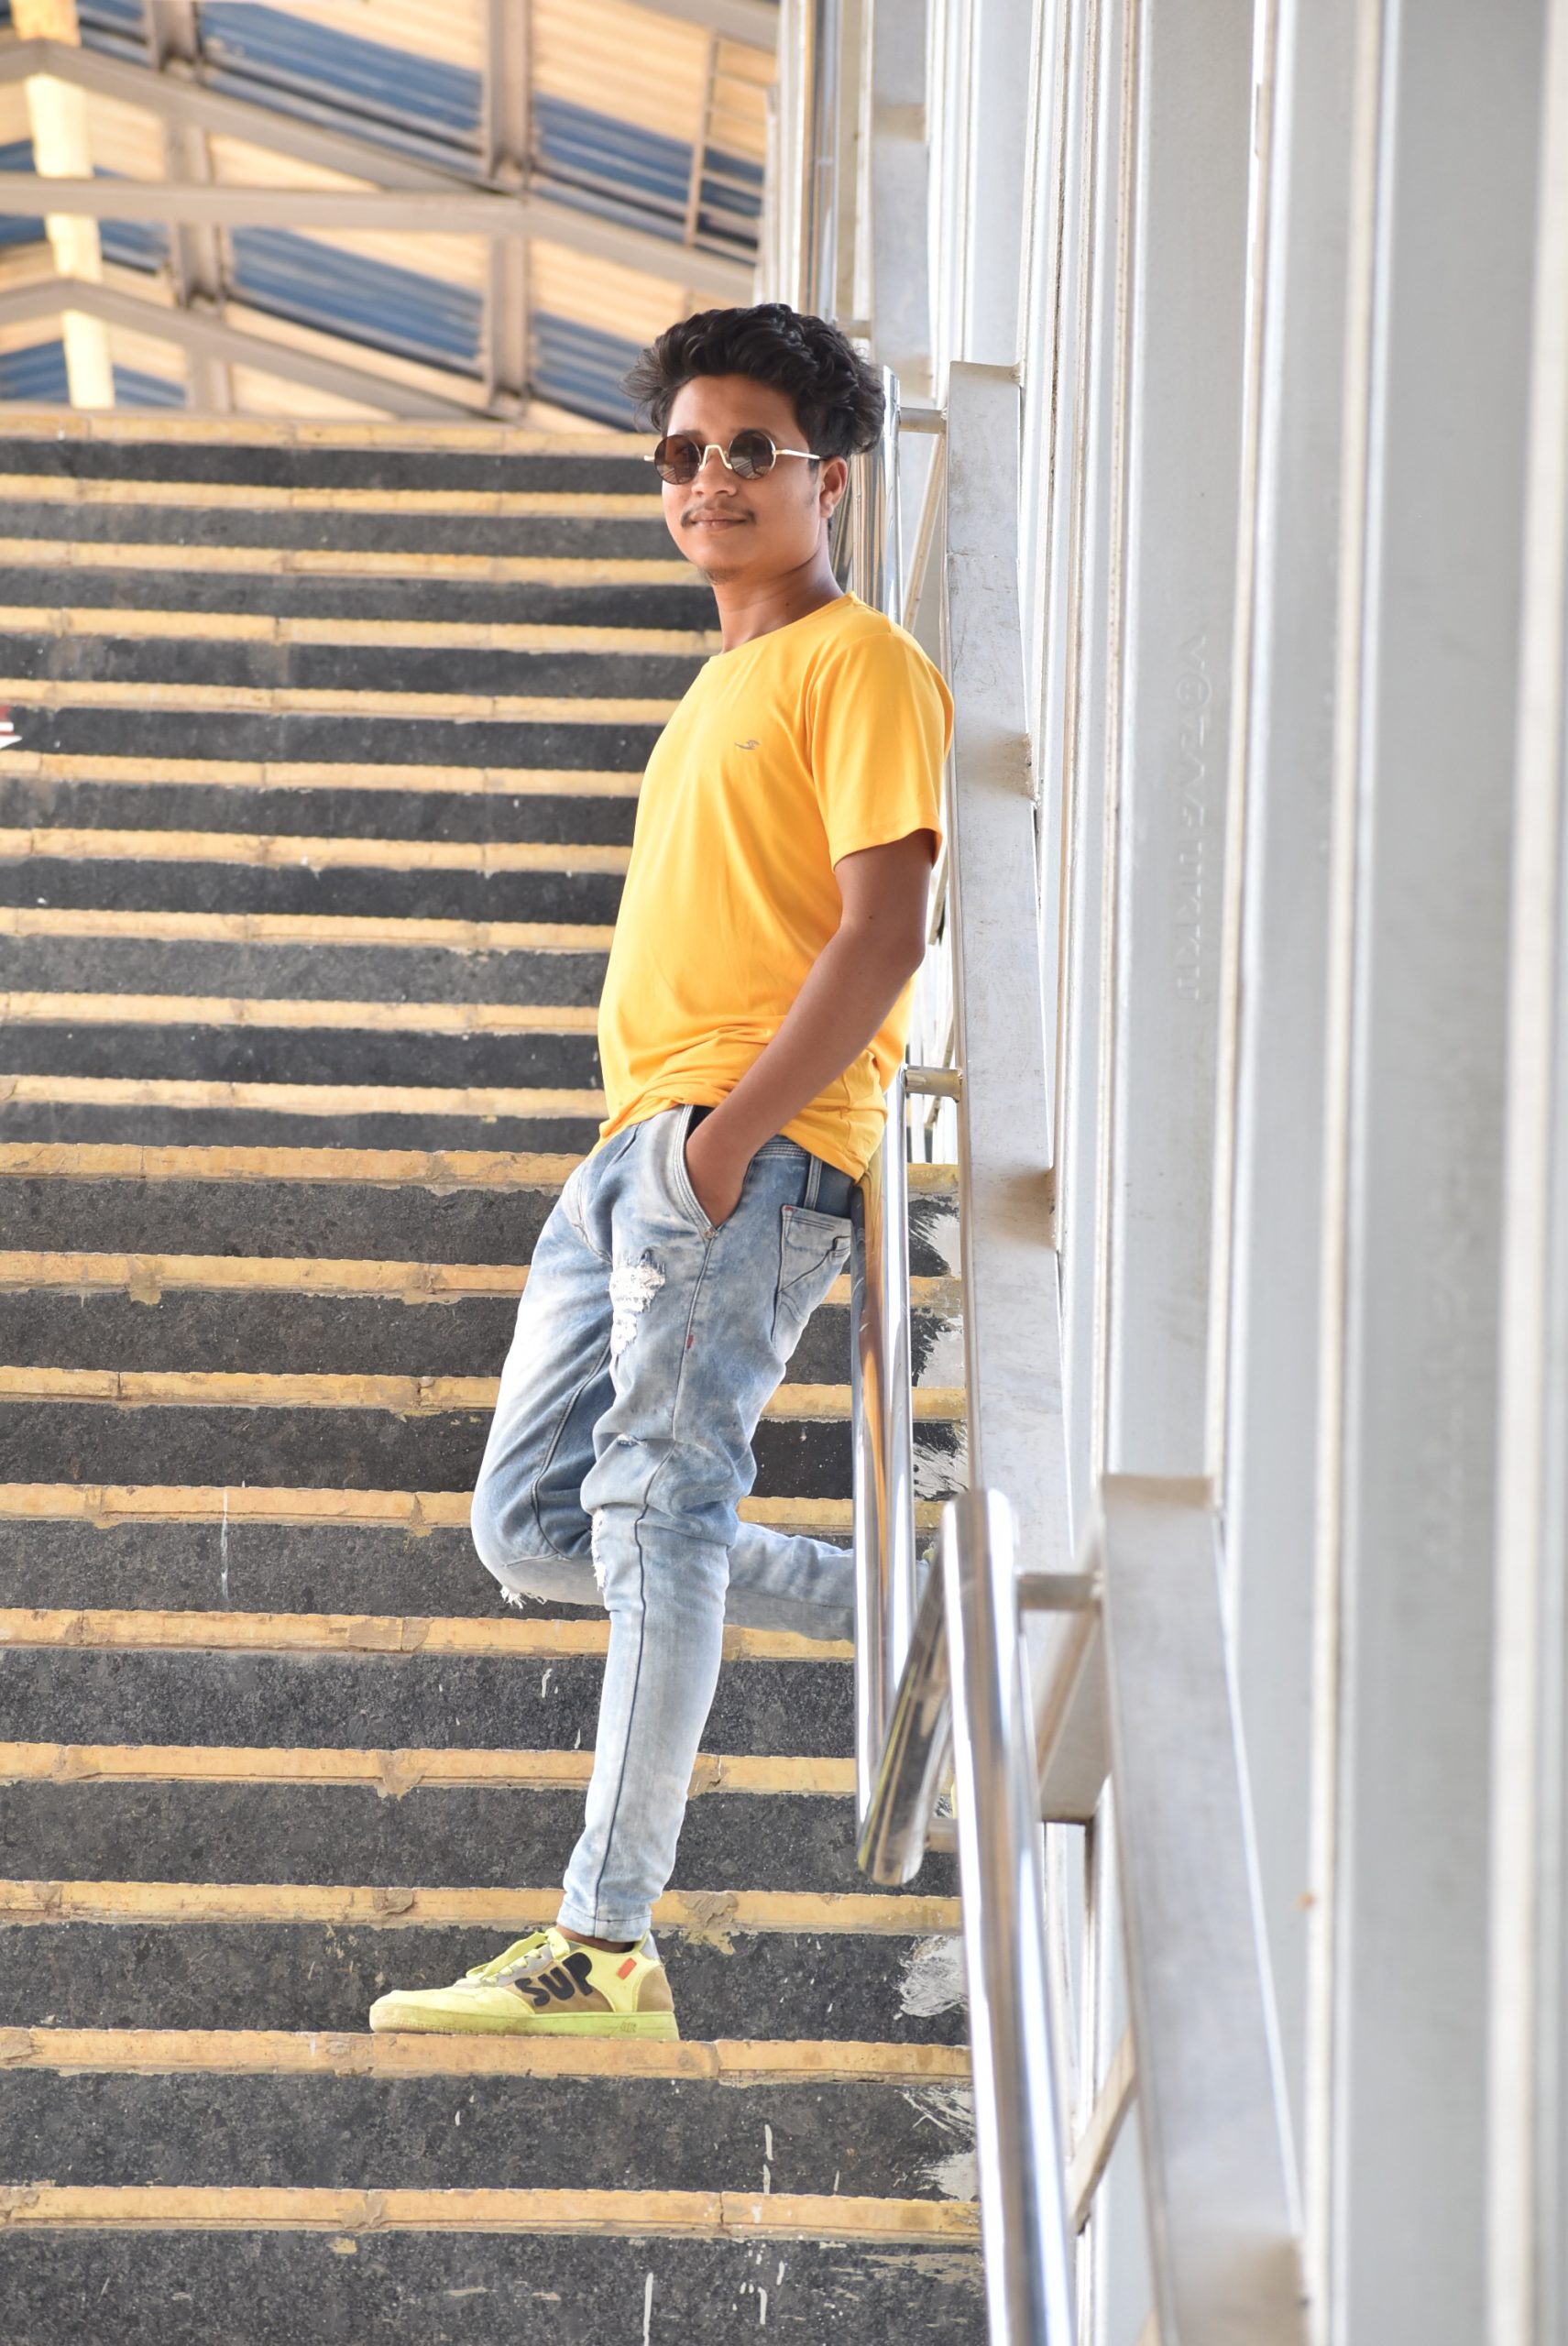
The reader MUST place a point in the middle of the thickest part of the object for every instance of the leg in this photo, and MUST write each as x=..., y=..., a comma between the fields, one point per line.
x=528, y=1519
x=530, y=1523
x=704, y=1323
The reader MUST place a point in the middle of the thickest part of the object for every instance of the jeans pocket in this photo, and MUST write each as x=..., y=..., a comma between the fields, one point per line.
x=681, y=1187
x=812, y=1249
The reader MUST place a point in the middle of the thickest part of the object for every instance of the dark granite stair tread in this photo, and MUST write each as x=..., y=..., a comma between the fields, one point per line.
x=299, y=973
x=592, y=2133
x=271, y=463
x=838, y=1984
x=260, y=1332
x=250, y=1568
x=345, y=1834
x=406, y=1219
x=353, y=892
x=411, y=1220
x=160, y=1127
x=257, y=1053
x=557, y=819
x=681, y=601
x=380, y=1702
x=358, y=1449
x=312, y=737
x=375, y=530
x=482, y=671
x=436, y=2290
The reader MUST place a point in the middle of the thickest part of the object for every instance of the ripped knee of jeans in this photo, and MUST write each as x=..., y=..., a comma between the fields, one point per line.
x=596, y=1527
x=632, y=1287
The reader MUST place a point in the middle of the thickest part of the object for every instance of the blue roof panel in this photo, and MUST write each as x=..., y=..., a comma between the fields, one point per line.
x=36, y=375
x=366, y=300
x=16, y=155
x=580, y=368
x=366, y=83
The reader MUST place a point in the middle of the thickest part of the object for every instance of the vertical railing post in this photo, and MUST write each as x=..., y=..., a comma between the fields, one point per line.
x=867, y=1386
x=1028, y=2267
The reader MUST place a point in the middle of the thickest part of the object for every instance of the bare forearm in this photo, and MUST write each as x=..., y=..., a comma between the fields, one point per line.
x=848, y=992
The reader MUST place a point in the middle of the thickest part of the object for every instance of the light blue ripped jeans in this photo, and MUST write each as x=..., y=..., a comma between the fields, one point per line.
x=647, y=1343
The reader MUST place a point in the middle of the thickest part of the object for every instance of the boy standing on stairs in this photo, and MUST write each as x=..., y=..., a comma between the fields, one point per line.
x=755, y=1010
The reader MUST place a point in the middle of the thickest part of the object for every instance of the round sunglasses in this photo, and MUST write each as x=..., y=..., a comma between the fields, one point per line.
x=749, y=456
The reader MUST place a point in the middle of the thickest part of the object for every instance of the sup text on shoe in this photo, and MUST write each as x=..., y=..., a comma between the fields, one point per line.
x=544, y=1984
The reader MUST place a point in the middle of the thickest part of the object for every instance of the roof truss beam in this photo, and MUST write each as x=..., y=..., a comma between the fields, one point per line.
x=755, y=22
x=402, y=195
x=211, y=338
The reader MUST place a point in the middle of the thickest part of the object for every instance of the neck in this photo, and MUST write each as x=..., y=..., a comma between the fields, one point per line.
x=753, y=606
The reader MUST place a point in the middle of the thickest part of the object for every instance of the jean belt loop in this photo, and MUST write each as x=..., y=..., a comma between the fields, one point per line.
x=813, y=1178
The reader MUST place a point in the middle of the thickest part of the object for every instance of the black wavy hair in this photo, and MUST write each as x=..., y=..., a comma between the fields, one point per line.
x=837, y=396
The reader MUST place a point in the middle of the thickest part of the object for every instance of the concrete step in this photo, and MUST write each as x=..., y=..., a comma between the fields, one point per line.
x=402, y=1205
x=264, y=460
x=333, y=1681
x=565, y=816
x=225, y=1560
x=688, y=2268
x=597, y=2133
x=45, y=573
x=67, y=963
x=203, y=872
x=372, y=524
x=79, y=1320
x=411, y=1441
x=86, y=721
x=484, y=1840
x=595, y=2130
x=167, y=1037
x=179, y=657
x=895, y=1976
x=66, y=1110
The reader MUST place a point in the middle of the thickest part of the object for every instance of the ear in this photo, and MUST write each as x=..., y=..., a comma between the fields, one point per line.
x=833, y=479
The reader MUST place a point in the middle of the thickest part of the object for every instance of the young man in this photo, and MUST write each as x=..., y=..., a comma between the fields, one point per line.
x=754, y=1009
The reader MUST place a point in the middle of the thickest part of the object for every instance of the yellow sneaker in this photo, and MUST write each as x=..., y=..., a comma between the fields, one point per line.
x=544, y=1985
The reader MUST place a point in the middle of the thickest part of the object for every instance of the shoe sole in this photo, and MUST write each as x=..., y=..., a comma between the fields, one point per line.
x=414, y=2019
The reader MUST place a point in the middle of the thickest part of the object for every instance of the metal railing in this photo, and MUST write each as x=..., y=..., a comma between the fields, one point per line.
x=965, y=1693
x=943, y=1682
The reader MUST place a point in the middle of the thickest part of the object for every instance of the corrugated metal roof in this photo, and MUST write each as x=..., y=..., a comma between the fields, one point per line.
x=643, y=120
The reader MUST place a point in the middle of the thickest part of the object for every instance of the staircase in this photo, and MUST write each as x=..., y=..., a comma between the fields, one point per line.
x=326, y=747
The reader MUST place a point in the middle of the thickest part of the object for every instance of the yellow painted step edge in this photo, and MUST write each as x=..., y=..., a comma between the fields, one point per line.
x=394, y=1773
x=308, y=928
x=404, y=1396
x=712, y=1917
x=483, y=1102
x=21, y=692
x=706, y=2215
x=149, y=1630
x=146, y=1279
x=414, y=1512
x=487, y=858
x=252, y=774
x=439, y=1169
x=94, y=620
x=737, y=2061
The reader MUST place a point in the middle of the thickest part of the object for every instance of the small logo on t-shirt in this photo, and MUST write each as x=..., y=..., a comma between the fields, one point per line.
x=748, y=745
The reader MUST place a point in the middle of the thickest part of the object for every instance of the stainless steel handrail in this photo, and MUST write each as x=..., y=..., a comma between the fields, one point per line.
x=882, y=1415
x=881, y=1400
x=946, y=1682
x=965, y=1691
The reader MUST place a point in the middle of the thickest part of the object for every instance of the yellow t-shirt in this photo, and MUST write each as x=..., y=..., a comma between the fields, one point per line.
x=800, y=746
